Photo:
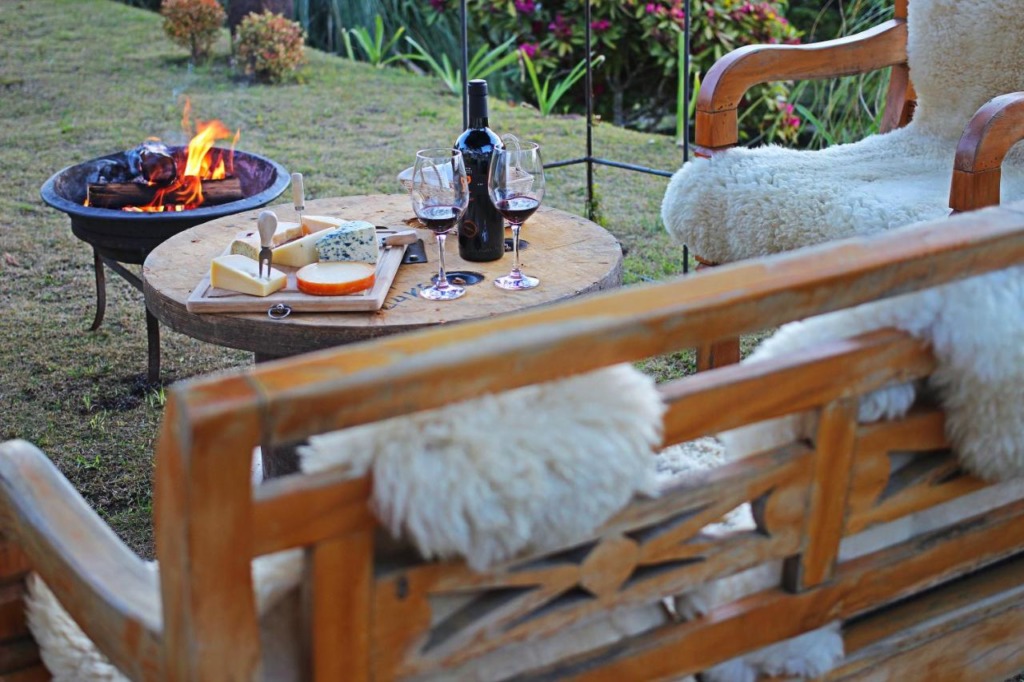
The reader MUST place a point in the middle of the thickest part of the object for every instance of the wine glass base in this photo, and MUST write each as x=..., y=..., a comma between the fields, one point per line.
x=515, y=283
x=449, y=293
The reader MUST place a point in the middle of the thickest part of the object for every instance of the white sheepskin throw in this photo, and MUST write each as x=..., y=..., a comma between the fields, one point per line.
x=530, y=469
x=976, y=330
x=533, y=468
x=70, y=656
x=747, y=203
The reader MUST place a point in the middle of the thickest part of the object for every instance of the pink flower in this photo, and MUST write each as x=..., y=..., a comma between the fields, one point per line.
x=651, y=8
x=600, y=25
x=529, y=49
x=525, y=6
x=793, y=122
x=560, y=27
x=438, y=5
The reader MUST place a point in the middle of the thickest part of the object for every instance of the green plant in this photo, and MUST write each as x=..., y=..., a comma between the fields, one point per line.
x=640, y=40
x=546, y=97
x=845, y=109
x=374, y=47
x=193, y=24
x=482, y=64
x=270, y=47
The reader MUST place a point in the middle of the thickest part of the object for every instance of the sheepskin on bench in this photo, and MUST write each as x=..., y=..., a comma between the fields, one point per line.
x=527, y=470
x=745, y=203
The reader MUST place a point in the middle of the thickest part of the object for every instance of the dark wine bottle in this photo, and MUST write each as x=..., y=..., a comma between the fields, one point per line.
x=481, y=229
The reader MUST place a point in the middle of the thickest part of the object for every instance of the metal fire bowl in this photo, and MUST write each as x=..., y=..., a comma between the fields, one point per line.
x=128, y=236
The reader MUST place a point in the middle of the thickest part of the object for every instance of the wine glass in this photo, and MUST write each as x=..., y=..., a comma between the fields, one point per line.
x=440, y=194
x=515, y=182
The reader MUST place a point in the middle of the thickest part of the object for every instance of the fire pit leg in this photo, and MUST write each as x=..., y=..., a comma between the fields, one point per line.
x=153, y=339
x=101, y=290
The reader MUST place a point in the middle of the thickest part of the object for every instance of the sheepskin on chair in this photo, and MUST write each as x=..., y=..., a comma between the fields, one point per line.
x=746, y=203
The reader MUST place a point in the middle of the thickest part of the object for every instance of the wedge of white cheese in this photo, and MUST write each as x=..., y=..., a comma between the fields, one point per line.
x=354, y=241
x=299, y=252
x=248, y=243
x=236, y=272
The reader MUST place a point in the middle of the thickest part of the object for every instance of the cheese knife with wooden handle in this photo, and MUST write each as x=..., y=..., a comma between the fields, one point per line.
x=266, y=224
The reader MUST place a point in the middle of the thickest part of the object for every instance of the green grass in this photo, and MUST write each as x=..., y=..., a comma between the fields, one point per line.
x=83, y=78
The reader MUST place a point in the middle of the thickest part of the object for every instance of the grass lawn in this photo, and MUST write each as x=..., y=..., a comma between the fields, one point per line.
x=84, y=78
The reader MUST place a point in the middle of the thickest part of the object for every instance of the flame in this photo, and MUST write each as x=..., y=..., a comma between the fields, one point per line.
x=202, y=162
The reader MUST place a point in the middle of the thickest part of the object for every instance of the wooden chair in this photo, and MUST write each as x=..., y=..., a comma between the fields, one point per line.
x=985, y=142
x=943, y=605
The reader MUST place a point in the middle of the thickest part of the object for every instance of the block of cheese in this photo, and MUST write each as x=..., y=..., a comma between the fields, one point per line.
x=353, y=241
x=236, y=272
x=248, y=243
x=318, y=223
x=299, y=252
x=335, y=278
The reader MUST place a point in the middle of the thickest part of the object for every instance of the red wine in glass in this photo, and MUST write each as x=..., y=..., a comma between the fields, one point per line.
x=438, y=218
x=517, y=209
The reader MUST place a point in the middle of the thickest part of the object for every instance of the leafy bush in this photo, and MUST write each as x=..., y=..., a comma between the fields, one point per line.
x=193, y=24
x=270, y=47
x=639, y=40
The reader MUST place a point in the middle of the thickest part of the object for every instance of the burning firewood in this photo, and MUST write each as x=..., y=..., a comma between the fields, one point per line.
x=132, y=194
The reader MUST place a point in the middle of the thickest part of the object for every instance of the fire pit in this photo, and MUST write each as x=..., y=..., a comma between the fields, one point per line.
x=120, y=236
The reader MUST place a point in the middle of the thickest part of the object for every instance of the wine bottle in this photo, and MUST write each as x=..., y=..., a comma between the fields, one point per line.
x=481, y=229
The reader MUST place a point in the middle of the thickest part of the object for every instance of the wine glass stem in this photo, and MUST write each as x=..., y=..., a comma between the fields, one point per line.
x=442, y=278
x=515, y=251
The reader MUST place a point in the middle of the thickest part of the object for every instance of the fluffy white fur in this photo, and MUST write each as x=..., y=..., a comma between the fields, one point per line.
x=752, y=202
x=71, y=656
x=530, y=469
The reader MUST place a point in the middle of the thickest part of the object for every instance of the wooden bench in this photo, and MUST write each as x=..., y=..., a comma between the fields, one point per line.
x=945, y=605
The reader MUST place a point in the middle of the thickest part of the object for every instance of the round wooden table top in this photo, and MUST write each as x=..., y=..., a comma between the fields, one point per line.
x=570, y=255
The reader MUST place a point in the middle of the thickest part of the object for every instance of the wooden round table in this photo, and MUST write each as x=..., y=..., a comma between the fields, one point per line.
x=570, y=255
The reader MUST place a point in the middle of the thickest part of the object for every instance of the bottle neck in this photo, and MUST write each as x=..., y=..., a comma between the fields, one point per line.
x=478, y=111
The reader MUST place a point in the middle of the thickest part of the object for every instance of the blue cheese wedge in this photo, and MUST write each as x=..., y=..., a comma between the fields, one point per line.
x=354, y=241
x=248, y=243
x=236, y=272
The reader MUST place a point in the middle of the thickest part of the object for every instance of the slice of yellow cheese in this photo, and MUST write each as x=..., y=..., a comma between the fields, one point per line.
x=236, y=272
x=248, y=243
x=316, y=223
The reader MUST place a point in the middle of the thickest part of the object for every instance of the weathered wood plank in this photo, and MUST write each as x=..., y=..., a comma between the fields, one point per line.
x=298, y=511
x=717, y=401
x=332, y=390
x=202, y=496
x=833, y=458
x=342, y=599
x=859, y=585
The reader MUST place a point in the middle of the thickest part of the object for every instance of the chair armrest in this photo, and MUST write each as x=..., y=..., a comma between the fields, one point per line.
x=977, y=170
x=735, y=73
x=106, y=587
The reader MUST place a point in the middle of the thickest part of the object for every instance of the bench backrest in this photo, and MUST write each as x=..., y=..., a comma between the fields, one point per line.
x=210, y=524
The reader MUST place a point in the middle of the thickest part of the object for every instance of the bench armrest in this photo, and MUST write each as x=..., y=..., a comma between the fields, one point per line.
x=992, y=131
x=735, y=73
x=107, y=588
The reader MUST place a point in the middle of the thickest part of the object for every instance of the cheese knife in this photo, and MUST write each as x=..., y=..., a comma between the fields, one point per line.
x=298, y=194
x=266, y=224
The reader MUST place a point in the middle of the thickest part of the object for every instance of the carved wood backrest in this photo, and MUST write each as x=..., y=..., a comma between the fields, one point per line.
x=378, y=622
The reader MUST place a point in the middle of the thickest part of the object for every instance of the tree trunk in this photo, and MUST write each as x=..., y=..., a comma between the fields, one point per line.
x=238, y=9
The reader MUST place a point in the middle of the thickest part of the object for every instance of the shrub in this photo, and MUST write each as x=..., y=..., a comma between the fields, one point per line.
x=639, y=40
x=193, y=24
x=269, y=47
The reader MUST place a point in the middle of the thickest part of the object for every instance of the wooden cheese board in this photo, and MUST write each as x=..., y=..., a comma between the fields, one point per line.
x=205, y=298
